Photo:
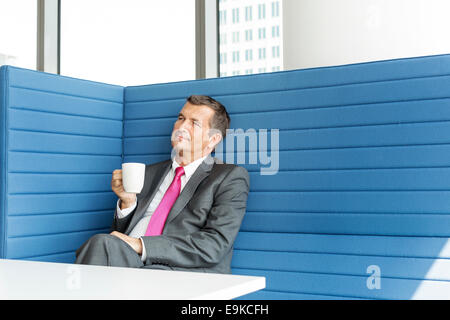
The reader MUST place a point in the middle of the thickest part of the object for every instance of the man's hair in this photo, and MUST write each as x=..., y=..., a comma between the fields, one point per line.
x=220, y=120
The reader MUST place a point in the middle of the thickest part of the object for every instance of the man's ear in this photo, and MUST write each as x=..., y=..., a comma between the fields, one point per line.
x=214, y=139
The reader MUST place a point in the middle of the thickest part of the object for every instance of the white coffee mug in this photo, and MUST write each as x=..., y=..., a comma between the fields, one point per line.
x=133, y=175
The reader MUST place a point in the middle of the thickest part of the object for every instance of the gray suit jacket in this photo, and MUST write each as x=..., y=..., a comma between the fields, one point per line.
x=203, y=223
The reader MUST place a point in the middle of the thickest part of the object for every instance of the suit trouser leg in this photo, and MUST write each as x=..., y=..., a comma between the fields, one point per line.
x=108, y=250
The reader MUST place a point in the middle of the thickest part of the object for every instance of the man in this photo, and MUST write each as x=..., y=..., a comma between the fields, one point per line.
x=190, y=209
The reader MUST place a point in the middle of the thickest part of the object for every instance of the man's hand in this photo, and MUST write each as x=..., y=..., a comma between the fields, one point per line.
x=127, y=199
x=135, y=243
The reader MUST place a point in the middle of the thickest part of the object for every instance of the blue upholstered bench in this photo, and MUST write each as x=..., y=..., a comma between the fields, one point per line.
x=355, y=202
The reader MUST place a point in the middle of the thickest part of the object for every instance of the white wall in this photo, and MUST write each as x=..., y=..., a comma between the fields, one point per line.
x=335, y=32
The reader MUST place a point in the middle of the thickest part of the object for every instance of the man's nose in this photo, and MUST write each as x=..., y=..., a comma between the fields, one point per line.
x=184, y=127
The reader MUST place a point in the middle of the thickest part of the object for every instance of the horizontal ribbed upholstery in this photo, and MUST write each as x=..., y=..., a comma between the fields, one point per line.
x=362, y=177
x=61, y=139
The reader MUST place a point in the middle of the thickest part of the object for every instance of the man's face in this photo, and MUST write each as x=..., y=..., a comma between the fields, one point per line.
x=190, y=134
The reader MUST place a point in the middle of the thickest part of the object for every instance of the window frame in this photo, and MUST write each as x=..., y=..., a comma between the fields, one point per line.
x=48, y=55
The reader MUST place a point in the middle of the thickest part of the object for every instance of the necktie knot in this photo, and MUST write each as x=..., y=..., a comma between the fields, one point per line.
x=179, y=172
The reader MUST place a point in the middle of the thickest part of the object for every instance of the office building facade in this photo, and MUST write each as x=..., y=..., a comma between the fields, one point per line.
x=250, y=37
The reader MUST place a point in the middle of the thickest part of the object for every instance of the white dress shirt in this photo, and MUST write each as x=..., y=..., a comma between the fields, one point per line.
x=141, y=227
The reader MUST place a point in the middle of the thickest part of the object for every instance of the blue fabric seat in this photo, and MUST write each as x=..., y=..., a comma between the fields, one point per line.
x=349, y=197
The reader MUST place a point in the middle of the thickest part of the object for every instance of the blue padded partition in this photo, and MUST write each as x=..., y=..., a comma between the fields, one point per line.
x=61, y=139
x=362, y=182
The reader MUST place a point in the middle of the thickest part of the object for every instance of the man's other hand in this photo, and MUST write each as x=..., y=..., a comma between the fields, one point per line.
x=135, y=243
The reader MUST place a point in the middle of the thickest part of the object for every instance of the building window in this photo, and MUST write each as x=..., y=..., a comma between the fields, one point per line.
x=223, y=39
x=235, y=56
x=262, y=53
x=248, y=13
x=261, y=11
x=261, y=38
x=223, y=58
x=262, y=33
x=222, y=17
x=275, y=9
x=235, y=13
x=275, y=31
x=235, y=36
x=276, y=52
x=249, y=35
x=248, y=55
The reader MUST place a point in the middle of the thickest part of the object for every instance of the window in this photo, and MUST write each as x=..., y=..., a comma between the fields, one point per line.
x=248, y=13
x=248, y=35
x=248, y=55
x=128, y=42
x=262, y=53
x=235, y=13
x=261, y=11
x=261, y=49
x=223, y=58
x=262, y=33
x=275, y=52
x=223, y=38
x=18, y=33
x=275, y=31
x=235, y=36
x=275, y=9
x=222, y=17
x=235, y=56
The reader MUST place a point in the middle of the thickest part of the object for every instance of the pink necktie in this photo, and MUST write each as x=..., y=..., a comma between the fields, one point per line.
x=158, y=219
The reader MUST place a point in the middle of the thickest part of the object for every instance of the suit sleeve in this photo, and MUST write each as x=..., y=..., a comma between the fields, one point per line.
x=207, y=246
x=121, y=220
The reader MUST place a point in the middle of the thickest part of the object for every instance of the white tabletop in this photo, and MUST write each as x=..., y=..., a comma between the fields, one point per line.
x=20, y=279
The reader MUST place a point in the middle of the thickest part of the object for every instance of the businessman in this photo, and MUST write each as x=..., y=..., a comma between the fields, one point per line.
x=190, y=209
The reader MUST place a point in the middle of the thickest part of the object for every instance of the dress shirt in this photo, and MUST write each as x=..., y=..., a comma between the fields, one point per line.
x=141, y=227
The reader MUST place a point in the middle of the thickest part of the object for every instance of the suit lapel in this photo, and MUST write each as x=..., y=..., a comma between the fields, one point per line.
x=159, y=173
x=188, y=191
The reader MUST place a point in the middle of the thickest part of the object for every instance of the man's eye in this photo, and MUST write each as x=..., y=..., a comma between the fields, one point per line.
x=197, y=123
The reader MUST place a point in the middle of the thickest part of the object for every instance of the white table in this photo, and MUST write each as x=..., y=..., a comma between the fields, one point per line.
x=20, y=279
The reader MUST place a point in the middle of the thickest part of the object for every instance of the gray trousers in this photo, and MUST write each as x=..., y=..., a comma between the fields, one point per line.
x=108, y=250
